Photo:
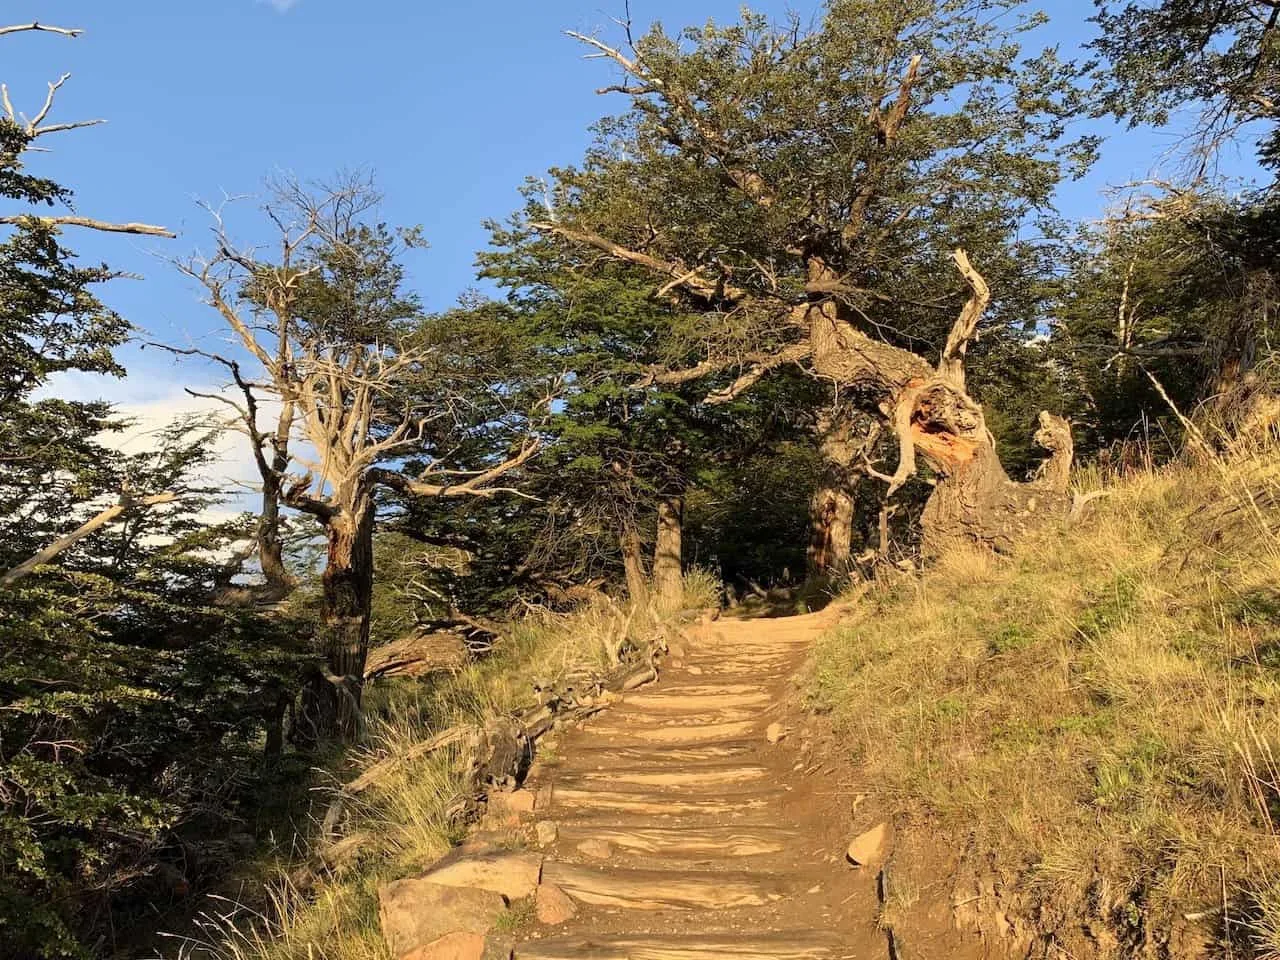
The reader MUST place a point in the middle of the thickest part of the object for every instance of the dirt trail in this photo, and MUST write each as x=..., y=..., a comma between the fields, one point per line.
x=684, y=834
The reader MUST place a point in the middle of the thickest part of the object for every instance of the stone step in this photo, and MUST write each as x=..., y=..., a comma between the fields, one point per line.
x=798, y=945
x=693, y=687
x=596, y=756
x=667, y=701
x=711, y=733
x=656, y=804
x=682, y=841
x=662, y=889
x=683, y=777
x=642, y=715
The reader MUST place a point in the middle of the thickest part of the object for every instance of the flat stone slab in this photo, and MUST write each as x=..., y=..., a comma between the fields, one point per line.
x=730, y=841
x=513, y=875
x=657, y=804
x=800, y=945
x=666, y=702
x=718, y=775
x=662, y=889
x=706, y=733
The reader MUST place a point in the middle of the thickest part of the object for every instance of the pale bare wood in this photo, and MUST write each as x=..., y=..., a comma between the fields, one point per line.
x=965, y=329
x=41, y=28
x=143, y=229
x=127, y=504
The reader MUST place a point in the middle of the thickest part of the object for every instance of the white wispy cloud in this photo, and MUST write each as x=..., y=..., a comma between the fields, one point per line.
x=281, y=6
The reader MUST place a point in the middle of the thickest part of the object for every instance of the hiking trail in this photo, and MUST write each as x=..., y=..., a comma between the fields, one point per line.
x=683, y=831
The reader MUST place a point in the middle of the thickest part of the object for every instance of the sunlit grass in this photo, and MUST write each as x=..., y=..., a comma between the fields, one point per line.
x=1101, y=708
x=408, y=818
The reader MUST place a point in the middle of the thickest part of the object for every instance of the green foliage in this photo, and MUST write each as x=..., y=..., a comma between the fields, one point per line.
x=1163, y=56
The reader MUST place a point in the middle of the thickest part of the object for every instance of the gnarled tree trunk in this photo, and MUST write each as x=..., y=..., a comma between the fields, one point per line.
x=633, y=566
x=932, y=414
x=668, y=580
x=347, y=601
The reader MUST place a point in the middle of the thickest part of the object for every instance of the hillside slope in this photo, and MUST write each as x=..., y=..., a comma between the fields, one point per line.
x=1091, y=722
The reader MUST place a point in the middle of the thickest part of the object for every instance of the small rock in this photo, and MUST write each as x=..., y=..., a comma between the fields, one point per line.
x=596, y=849
x=548, y=830
x=695, y=671
x=816, y=888
x=676, y=651
x=869, y=849
x=514, y=801
x=513, y=875
x=416, y=913
x=553, y=905
x=775, y=732
x=452, y=946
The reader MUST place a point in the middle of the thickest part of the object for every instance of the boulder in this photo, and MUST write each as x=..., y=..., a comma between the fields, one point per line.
x=553, y=905
x=513, y=801
x=548, y=831
x=452, y=946
x=513, y=875
x=869, y=849
x=416, y=913
x=775, y=732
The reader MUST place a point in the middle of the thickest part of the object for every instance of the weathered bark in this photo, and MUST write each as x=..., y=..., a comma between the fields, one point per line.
x=347, y=599
x=280, y=583
x=831, y=507
x=633, y=567
x=668, y=578
x=933, y=414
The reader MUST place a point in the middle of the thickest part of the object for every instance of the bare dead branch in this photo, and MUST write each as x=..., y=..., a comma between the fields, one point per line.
x=143, y=229
x=965, y=329
x=41, y=28
x=127, y=504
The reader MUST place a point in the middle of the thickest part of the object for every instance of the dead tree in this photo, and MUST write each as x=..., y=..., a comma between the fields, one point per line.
x=345, y=390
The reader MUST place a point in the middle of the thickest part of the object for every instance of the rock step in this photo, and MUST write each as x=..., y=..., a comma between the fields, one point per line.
x=714, y=774
x=662, y=889
x=710, y=733
x=668, y=702
x=656, y=803
x=685, y=841
x=676, y=688
x=630, y=715
x=798, y=945
x=595, y=756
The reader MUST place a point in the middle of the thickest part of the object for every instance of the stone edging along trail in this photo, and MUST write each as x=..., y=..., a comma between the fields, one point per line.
x=678, y=825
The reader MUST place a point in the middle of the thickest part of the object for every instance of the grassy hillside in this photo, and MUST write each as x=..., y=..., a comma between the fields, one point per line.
x=1100, y=710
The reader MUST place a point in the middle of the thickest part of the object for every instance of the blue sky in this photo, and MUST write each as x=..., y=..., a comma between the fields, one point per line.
x=450, y=104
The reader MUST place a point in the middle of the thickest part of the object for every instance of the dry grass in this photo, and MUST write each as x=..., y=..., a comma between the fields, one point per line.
x=406, y=818
x=1101, y=709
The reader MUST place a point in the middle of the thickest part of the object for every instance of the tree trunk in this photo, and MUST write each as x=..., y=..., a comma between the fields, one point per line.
x=633, y=567
x=831, y=506
x=830, y=532
x=270, y=545
x=932, y=412
x=347, y=600
x=668, y=576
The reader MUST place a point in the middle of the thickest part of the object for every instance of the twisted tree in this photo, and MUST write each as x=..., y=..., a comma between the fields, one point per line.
x=799, y=190
x=373, y=395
